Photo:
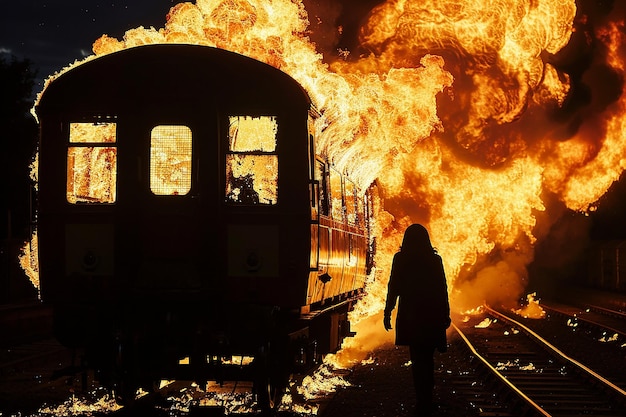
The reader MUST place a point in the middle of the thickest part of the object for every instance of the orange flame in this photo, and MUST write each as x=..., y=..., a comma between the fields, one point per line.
x=488, y=166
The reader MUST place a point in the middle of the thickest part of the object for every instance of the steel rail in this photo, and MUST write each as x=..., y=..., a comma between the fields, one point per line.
x=586, y=320
x=502, y=378
x=558, y=352
x=608, y=311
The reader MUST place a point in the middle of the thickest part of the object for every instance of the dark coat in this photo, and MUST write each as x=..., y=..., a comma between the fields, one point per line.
x=420, y=284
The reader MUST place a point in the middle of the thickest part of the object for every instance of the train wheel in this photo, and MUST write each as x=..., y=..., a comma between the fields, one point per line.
x=123, y=385
x=271, y=381
x=124, y=392
x=270, y=394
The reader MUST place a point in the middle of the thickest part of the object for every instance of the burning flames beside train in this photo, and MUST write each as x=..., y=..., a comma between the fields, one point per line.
x=528, y=130
x=194, y=219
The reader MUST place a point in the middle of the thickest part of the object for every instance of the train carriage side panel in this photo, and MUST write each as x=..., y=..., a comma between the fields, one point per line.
x=343, y=239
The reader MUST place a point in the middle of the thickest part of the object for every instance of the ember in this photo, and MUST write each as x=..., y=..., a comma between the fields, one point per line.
x=96, y=402
x=484, y=324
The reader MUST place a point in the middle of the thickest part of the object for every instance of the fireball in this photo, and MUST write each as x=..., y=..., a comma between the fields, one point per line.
x=467, y=114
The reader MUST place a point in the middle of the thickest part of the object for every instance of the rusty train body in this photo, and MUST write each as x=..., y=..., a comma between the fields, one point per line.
x=184, y=218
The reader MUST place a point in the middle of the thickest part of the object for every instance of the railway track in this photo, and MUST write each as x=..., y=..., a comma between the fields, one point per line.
x=608, y=320
x=503, y=372
x=24, y=322
x=533, y=376
x=38, y=379
x=30, y=355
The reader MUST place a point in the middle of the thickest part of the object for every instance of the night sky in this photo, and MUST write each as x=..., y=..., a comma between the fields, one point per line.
x=55, y=33
x=52, y=34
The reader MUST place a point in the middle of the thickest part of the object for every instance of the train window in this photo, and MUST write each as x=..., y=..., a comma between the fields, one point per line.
x=92, y=163
x=170, y=160
x=360, y=210
x=322, y=176
x=336, y=195
x=248, y=134
x=252, y=162
x=350, y=200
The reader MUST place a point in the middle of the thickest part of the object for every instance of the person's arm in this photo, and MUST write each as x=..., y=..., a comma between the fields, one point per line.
x=444, y=295
x=392, y=296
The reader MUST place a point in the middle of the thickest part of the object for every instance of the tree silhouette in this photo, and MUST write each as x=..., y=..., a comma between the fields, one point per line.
x=18, y=138
x=18, y=135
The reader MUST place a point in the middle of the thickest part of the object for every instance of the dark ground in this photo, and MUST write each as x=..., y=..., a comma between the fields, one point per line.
x=385, y=387
x=380, y=387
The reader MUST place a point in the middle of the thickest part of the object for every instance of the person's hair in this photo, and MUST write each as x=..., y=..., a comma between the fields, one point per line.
x=417, y=240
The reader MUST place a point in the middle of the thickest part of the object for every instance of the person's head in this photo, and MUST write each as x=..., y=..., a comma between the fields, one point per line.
x=416, y=239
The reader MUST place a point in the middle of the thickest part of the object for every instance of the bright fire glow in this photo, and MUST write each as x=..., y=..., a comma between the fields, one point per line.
x=252, y=178
x=484, y=324
x=170, y=160
x=458, y=109
x=91, y=163
x=532, y=310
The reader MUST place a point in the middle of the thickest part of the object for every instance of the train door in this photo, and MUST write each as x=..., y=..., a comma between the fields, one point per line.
x=169, y=215
x=89, y=207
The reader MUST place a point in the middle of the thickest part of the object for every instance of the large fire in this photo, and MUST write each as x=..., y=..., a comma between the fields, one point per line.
x=465, y=113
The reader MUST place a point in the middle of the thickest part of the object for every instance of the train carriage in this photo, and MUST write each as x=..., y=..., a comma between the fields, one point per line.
x=184, y=213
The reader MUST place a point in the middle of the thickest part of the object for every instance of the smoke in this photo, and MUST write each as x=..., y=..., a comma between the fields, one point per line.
x=497, y=284
x=335, y=24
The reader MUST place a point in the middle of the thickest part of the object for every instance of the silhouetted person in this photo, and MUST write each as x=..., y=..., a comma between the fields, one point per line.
x=418, y=280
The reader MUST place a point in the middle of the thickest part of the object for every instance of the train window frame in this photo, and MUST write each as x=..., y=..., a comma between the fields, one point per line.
x=92, y=146
x=337, y=196
x=361, y=208
x=171, y=144
x=350, y=204
x=323, y=198
x=314, y=183
x=251, y=167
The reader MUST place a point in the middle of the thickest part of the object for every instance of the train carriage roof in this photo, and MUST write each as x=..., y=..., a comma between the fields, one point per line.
x=162, y=73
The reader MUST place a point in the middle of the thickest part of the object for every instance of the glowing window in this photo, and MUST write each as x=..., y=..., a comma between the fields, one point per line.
x=336, y=196
x=360, y=210
x=247, y=134
x=350, y=201
x=170, y=160
x=92, y=163
x=251, y=161
x=322, y=176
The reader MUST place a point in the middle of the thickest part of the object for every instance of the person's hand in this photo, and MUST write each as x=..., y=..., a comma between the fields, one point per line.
x=387, y=322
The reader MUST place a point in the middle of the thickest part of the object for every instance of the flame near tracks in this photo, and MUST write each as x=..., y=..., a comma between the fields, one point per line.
x=486, y=121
